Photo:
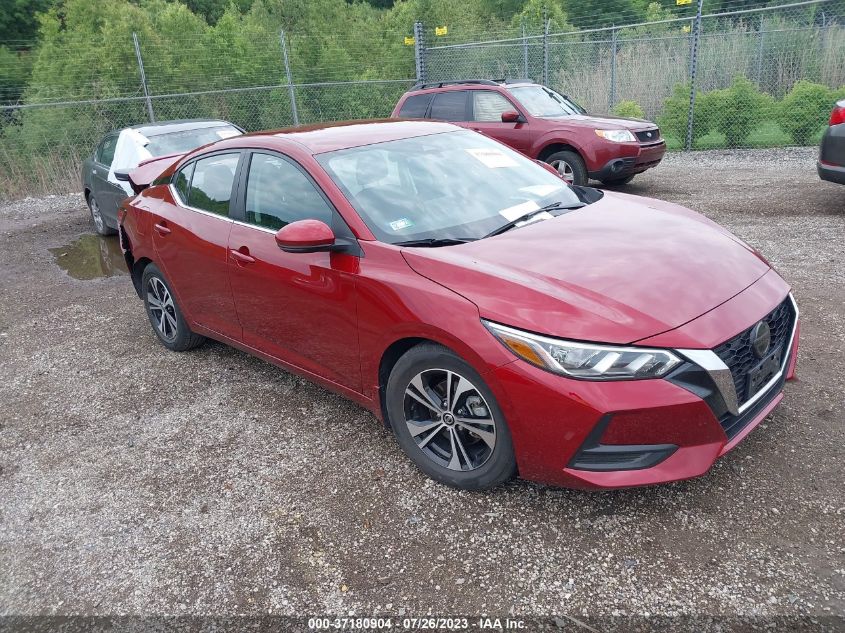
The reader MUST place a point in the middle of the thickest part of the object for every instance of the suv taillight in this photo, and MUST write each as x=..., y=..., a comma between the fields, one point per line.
x=838, y=114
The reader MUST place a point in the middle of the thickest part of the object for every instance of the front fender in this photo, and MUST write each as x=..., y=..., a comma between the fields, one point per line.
x=396, y=303
x=561, y=137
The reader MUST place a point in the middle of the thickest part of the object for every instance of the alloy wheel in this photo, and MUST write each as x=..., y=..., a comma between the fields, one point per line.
x=161, y=307
x=96, y=215
x=564, y=169
x=449, y=419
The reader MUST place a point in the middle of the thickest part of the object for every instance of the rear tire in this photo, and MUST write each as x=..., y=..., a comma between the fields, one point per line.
x=447, y=420
x=570, y=166
x=97, y=219
x=165, y=316
x=615, y=182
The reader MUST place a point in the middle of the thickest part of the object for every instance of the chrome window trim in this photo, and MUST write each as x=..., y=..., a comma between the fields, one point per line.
x=722, y=377
x=255, y=226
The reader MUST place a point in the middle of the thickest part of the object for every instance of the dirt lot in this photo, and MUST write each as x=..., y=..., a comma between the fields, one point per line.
x=138, y=481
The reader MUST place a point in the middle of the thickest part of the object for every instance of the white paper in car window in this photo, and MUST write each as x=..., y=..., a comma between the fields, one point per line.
x=227, y=133
x=541, y=190
x=492, y=158
x=512, y=213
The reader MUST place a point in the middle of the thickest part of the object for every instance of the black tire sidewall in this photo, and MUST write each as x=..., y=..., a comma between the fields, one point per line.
x=107, y=230
x=501, y=465
x=184, y=337
x=579, y=169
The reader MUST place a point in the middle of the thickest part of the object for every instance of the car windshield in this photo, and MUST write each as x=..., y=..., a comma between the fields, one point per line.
x=454, y=185
x=186, y=140
x=545, y=102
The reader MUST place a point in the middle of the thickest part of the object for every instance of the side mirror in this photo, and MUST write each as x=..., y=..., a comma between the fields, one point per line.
x=121, y=175
x=511, y=116
x=308, y=236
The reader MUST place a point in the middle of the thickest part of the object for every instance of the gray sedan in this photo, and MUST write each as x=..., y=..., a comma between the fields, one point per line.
x=831, y=163
x=123, y=150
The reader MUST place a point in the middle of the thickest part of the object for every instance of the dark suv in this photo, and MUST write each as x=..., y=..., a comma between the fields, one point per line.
x=831, y=163
x=541, y=124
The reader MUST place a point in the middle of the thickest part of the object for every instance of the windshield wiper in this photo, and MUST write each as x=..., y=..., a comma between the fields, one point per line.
x=436, y=241
x=554, y=206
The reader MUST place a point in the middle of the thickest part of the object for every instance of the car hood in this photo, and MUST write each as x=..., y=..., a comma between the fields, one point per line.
x=604, y=122
x=617, y=271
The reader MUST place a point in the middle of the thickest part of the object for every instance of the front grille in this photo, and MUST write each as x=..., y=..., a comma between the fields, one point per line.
x=648, y=136
x=739, y=356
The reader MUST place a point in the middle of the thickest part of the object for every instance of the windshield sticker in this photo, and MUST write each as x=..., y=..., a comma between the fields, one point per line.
x=492, y=158
x=401, y=223
x=541, y=191
x=512, y=213
x=227, y=133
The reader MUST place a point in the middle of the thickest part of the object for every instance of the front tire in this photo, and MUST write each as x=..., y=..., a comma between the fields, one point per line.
x=570, y=166
x=165, y=316
x=97, y=219
x=447, y=420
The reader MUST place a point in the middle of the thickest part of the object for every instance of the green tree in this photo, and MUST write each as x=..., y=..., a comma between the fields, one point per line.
x=590, y=15
x=738, y=110
x=675, y=114
x=19, y=19
x=629, y=110
x=805, y=110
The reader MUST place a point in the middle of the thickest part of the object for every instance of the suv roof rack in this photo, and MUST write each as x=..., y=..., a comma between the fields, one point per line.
x=453, y=82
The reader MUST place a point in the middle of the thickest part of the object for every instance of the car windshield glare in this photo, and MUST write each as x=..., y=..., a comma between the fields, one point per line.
x=450, y=186
x=544, y=102
x=186, y=140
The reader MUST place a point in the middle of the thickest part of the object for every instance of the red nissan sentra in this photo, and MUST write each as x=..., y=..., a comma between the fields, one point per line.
x=498, y=320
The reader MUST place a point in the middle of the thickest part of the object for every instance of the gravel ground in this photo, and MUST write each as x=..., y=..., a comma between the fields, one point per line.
x=138, y=481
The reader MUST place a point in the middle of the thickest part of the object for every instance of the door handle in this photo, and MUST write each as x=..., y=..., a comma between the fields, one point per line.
x=161, y=228
x=241, y=257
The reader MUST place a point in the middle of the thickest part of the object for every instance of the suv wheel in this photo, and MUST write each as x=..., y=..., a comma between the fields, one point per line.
x=570, y=166
x=97, y=218
x=447, y=421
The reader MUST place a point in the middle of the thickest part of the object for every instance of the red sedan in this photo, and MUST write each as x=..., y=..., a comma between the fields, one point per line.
x=499, y=320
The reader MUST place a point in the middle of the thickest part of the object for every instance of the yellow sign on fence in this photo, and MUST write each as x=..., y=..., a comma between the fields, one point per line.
x=680, y=2
x=686, y=28
x=441, y=30
x=409, y=41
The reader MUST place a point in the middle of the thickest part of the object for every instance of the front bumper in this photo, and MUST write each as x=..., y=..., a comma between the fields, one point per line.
x=587, y=434
x=648, y=156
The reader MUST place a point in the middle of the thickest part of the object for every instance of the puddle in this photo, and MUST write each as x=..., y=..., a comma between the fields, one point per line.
x=91, y=257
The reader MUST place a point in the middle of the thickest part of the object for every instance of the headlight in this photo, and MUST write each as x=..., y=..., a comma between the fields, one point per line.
x=587, y=361
x=617, y=136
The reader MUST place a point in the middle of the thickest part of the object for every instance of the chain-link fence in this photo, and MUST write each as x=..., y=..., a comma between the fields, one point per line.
x=48, y=129
x=762, y=77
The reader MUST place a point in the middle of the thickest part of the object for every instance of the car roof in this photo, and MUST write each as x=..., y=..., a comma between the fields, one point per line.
x=329, y=137
x=180, y=125
x=468, y=84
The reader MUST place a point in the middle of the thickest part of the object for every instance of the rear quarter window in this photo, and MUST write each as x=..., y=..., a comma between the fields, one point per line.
x=182, y=182
x=415, y=106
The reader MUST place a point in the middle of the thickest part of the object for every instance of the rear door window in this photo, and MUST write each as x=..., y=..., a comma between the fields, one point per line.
x=105, y=152
x=415, y=107
x=211, y=185
x=450, y=106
